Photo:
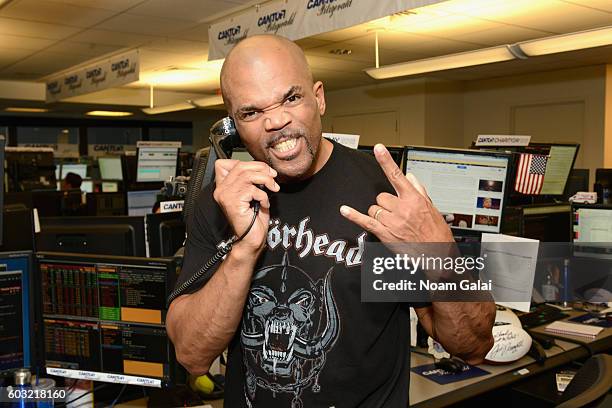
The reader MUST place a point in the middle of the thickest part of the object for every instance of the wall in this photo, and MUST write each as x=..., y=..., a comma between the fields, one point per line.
x=444, y=113
x=608, y=119
x=405, y=98
x=565, y=105
x=557, y=106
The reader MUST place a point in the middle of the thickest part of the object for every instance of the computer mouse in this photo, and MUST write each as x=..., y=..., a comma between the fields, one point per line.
x=452, y=365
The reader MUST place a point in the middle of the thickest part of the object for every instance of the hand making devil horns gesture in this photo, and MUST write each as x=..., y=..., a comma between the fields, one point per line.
x=408, y=216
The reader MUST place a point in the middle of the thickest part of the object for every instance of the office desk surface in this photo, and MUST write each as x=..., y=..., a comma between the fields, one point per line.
x=426, y=393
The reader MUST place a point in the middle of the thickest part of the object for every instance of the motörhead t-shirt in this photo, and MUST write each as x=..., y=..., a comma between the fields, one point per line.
x=306, y=339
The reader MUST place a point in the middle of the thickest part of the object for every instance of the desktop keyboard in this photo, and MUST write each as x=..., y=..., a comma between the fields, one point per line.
x=542, y=314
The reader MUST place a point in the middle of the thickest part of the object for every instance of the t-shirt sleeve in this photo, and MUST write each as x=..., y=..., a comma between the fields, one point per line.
x=202, y=241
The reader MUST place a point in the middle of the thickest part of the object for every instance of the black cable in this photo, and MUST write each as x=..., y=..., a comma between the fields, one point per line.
x=225, y=248
x=99, y=387
x=118, y=396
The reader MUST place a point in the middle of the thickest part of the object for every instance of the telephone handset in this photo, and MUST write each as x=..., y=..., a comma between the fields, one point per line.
x=224, y=138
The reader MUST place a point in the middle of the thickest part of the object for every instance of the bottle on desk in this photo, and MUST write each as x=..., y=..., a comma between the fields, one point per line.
x=22, y=380
x=550, y=291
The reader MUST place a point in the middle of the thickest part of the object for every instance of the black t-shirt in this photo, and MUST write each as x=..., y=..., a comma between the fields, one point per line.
x=306, y=339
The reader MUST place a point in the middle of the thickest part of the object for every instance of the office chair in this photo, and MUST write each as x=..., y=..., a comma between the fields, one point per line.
x=591, y=385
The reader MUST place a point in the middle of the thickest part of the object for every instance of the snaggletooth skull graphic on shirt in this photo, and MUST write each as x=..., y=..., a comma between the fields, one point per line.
x=287, y=331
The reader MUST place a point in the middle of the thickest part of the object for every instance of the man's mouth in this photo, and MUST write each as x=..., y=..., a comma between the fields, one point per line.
x=286, y=148
x=285, y=145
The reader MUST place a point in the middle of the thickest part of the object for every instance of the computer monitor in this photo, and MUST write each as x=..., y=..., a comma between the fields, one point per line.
x=103, y=318
x=467, y=186
x=17, y=345
x=2, y=141
x=592, y=223
x=110, y=187
x=157, y=161
x=604, y=177
x=397, y=152
x=105, y=204
x=578, y=180
x=141, y=202
x=122, y=235
x=603, y=185
x=47, y=202
x=18, y=228
x=165, y=233
x=30, y=168
x=110, y=168
x=76, y=168
x=87, y=186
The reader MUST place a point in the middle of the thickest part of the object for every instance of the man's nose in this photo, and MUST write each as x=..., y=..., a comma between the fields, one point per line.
x=276, y=119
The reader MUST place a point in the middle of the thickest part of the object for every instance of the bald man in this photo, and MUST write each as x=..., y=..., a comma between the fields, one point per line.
x=286, y=300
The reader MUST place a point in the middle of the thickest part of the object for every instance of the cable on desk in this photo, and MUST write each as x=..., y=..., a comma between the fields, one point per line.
x=65, y=404
x=118, y=396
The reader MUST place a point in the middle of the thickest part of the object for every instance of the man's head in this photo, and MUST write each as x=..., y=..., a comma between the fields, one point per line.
x=72, y=181
x=268, y=89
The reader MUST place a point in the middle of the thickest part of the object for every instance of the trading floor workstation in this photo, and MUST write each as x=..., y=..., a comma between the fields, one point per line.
x=85, y=296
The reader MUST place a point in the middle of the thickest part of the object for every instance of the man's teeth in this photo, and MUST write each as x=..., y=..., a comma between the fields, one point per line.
x=285, y=145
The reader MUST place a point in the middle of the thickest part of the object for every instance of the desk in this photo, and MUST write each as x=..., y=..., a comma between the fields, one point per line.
x=425, y=393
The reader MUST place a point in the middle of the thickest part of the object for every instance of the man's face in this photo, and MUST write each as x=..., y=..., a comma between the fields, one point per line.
x=277, y=111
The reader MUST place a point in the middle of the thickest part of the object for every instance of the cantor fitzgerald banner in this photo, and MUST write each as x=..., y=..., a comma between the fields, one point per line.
x=117, y=70
x=296, y=19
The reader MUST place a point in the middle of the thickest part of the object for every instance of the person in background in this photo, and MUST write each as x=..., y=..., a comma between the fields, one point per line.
x=72, y=199
x=72, y=181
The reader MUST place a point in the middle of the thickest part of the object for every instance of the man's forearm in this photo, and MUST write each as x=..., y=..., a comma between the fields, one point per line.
x=463, y=328
x=202, y=324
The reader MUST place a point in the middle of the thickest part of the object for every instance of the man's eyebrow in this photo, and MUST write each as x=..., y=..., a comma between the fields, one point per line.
x=250, y=108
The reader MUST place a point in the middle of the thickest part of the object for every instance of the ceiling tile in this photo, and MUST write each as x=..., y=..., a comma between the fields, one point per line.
x=26, y=43
x=46, y=63
x=116, y=38
x=603, y=5
x=546, y=15
x=307, y=43
x=11, y=56
x=179, y=46
x=189, y=10
x=197, y=33
x=33, y=29
x=114, y=5
x=132, y=23
x=51, y=12
x=84, y=49
x=503, y=34
x=152, y=59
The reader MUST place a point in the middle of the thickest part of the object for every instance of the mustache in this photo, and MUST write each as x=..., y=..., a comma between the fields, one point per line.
x=286, y=134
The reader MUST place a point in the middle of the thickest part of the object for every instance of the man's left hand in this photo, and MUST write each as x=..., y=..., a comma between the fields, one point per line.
x=408, y=216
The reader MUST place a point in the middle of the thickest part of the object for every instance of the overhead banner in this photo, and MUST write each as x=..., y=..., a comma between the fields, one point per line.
x=109, y=73
x=296, y=19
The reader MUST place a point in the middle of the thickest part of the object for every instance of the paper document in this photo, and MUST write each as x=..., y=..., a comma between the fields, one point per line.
x=510, y=265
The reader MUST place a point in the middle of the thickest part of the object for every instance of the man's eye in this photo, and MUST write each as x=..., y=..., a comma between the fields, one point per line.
x=246, y=116
x=293, y=99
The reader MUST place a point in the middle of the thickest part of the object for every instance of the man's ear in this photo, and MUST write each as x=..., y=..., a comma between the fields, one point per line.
x=319, y=93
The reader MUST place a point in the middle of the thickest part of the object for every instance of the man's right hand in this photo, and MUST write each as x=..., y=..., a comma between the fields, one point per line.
x=236, y=186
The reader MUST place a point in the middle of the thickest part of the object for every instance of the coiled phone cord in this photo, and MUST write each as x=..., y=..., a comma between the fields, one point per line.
x=224, y=249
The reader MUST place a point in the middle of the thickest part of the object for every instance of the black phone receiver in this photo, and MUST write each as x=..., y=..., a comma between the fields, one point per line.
x=225, y=138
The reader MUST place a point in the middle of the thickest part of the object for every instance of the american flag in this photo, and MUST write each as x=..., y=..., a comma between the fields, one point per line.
x=530, y=173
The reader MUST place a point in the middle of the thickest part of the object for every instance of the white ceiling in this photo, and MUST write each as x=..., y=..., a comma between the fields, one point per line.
x=41, y=37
